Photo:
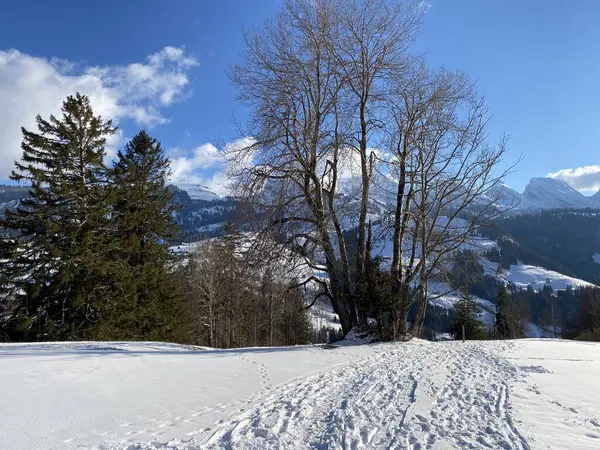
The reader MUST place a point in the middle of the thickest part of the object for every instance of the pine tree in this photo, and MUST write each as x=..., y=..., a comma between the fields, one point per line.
x=53, y=285
x=146, y=298
x=466, y=310
x=503, y=315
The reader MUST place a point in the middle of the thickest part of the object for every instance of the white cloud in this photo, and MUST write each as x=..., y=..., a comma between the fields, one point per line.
x=185, y=166
x=206, y=164
x=245, y=158
x=203, y=165
x=32, y=85
x=218, y=183
x=585, y=178
x=161, y=81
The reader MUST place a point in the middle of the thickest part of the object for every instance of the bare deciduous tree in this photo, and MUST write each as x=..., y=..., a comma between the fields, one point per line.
x=317, y=80
x=447, y=181
x=240, y=298
x=332, y=82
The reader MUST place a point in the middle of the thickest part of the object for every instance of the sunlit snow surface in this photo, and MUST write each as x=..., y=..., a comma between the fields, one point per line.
x=513, y=394
x=523, y=275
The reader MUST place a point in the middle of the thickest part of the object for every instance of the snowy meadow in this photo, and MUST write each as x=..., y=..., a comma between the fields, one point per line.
x=525, y=394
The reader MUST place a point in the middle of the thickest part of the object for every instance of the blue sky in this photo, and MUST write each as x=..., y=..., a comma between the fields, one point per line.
x=536, y=63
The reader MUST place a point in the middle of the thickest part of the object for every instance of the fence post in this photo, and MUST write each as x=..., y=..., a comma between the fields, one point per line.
x=463, y=333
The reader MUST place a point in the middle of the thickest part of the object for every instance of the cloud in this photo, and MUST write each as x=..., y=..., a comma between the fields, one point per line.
x=31, y=85
x=218, y=183
x=585, y=178
x=185, y=166
x=206, y=164
x=160, y=81
x=202, y=165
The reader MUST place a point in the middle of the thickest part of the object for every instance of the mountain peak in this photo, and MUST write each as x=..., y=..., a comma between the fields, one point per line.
x=198, y=192
x=550, y=193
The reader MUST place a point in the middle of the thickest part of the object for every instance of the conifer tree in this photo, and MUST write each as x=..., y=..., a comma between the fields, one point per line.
x=146, y=296
x=503, y=315
x=54, y=283
x=466, y=310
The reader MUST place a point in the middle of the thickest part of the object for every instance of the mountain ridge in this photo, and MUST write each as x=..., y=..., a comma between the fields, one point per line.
x=543, y=193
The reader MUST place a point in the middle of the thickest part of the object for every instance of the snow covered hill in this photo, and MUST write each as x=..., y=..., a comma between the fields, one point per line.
x=198, y=192
x=526, y=394
x=523, y=275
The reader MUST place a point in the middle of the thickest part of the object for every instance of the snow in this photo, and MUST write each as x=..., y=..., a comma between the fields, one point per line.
x=441, y=294
x=535, y=331
x=523, y=275
x=525, y=394
x=547, y=193
x=198, y=192
x=81, y=395
x=322, y=316
x=540, y=194
x=187, y=247
x=558, y=403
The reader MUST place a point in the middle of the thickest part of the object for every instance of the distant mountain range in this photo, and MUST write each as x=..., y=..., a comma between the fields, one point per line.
x=543, y=194
x=203, y=212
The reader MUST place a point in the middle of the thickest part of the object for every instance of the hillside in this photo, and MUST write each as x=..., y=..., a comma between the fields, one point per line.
x=112, y=395
x=565, y=241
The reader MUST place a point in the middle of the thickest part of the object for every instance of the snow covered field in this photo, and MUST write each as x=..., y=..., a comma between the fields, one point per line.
x=512, y=395
x=523, y=275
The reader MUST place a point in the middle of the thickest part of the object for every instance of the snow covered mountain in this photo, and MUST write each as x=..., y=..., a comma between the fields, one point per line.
x=596, y=199
x=198, y=192
x=550, y=193
x=507, y=198
x=10, y=196
x=540, y=194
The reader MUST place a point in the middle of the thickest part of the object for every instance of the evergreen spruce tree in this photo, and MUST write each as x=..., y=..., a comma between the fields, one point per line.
x=54, y=284
x=503, y=315
x=466, y=310
x=146, y=298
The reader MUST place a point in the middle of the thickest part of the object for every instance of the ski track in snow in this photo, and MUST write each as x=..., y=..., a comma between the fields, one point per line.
x=412, y=396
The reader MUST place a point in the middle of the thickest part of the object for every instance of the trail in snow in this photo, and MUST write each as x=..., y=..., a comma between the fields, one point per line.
x=411, y=396
x=527, y=394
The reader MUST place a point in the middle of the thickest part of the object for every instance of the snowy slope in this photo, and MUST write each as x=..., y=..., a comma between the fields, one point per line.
x=595, y=199
x=548, y=193
x=507, y=198
x=198, y=192
x=523, y=275
x=79, y=395
x=514, y=395
x=441, y=294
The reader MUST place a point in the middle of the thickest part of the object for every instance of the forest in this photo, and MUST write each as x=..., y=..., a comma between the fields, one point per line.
x=542, y=239
x=349, y=134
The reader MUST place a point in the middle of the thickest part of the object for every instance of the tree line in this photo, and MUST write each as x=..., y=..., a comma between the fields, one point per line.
x=540, y=239
x=572, y=313
x=86, y=254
